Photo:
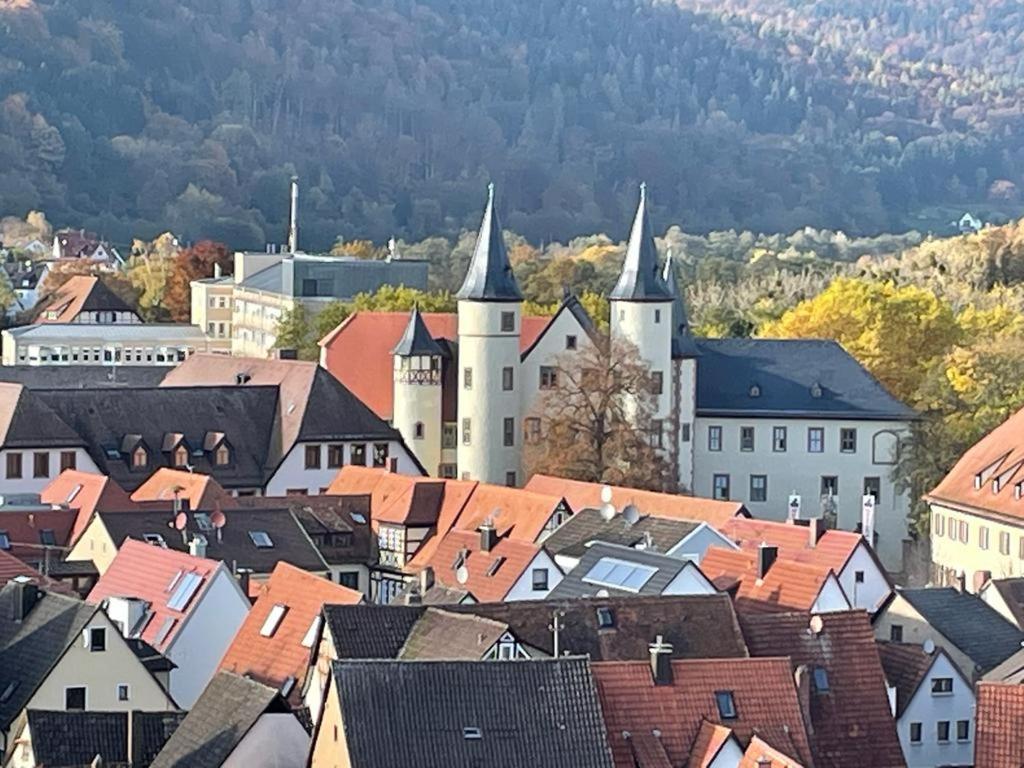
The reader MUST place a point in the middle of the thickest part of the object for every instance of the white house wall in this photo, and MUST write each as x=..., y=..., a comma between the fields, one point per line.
x=35, y=485
x=830, y=598
x=292, y=472
x=523, y=588
x=729, y=755
x=874, y=590
x=690, y=581
x=695, y=545
x=928, y=709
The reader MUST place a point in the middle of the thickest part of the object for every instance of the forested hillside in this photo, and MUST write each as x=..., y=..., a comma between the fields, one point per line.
x=132, y=117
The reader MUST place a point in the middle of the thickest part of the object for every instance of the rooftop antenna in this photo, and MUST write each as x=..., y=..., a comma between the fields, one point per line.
x=555, y=627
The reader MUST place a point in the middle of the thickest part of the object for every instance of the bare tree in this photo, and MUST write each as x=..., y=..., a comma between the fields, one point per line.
x=594, y=420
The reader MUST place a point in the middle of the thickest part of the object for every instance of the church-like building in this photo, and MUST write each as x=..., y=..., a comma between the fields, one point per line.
x=756, y=420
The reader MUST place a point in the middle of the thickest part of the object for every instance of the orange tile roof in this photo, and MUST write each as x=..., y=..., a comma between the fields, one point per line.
x=146, y=572
x=272, y=660
x=583, y=495
x=486, y=582
x=86, y=492
x=832, y=550
x=369, y=338
x=788, y=585
x=68, y=299
x=710, y=740
x=760, y=753
x=394, y=498
x=763, y=691
x=996, y=462
x=11, y=568
x=999, y=728
x=516, y=512
x=201, y=492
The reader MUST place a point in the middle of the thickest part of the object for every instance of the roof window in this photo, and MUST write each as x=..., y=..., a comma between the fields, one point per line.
x=273, y=620
x=726, y=705
x=605, y=618
x=261, y=539
x=47, y=537
x=821, y=680
x=5, y=540
x=816, y=390
x=73, y=493
x=359, y=518
x=755, y=390
x=183, y=593
x=165, y=630
x=472, y=733
x=495, y=565
x=154, y=538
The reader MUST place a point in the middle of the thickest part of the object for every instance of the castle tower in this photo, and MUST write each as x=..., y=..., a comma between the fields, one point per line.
x=417, y=390
x=641, y=309
x=684, y=378
x=490, y=432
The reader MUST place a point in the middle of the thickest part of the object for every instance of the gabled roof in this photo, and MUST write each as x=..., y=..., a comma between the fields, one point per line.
x=905, y=666
x=439, y=634
x=788, y=373
x=517, y=513
x=661, y=570
x=201, y=492
x=571, y=304
x=999, y=726
x=285, y=652
x=641, y=278
x=416, y=339
x=1012, y=593
x=154, y=574
x=394, y=498
x=977, y=630
x=547, y=713
x=29, y=421
x=80, y=293
x=86, y=492
x=852, y=724
x=758, y=753
x=489, y=575
x=635, y=708
x=583, y=495
x=75, y=738
x=30, y=648
x=709, y=742
x=12, y=568
x=833, y=549
x=228, y=707
x=490, y=276
x=28, y=532
x=587, y=525
x=761, y=754
x=1011, y=670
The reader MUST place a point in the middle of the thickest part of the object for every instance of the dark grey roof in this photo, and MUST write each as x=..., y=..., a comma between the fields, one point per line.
x=416, y=339
x=788, y=374
x=1012, y=592
x=536, y=713
x=573, y=585
x=32, y=422
x=332, y=412
x=342, y=278
x=967, y=621
x=30, y=648
x=235, y=547
x=641, y=278
x=572, y=536
x=82, y=376
x=228, y=707
x=76, y=738
x=683, y=343
x=490, y=276
x=373, y=632
x=246, y=416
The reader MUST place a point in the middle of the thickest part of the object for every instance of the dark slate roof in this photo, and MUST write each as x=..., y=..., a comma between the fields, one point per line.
x=1012, y=592
x=786, y=372
x=490, y=276
x=228, y=707
x=641, y=278
x=538, y=713
x=235, y=547
x=246, y=416
x=82, y=376
x=332, y=412
x=697, y=626
x=905, y=666
x=573, y=584
x=329, y=277
x=587, y=525
x=75, y=738
x=416, y=339
x=683, y=343
x=28, y=421
x=30, y=648
x=967, y=621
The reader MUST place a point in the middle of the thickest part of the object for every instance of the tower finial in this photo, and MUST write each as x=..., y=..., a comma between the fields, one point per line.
x=490, y=193
x=643, y=191
x=641, y=277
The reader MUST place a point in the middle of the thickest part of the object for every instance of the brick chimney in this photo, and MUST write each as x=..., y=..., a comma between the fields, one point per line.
x=766, y=556
x=661, y=661
x=815, y=529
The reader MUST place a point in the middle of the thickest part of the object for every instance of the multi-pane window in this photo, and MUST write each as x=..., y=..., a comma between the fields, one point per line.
x=829, y=485
x=657, y=382
x=815, y=440
x=759, y=487
x=848, y=440
x=508, y=322
x=942, y=685
x=312, y=457
x=779, y=439
x=720, y=487
x=746, y=438
x=507, y=379
x=467, y=378
x=358, y=453
x=540, y=579
x=714, y=438
x=381, y=451
x=41, y=464
x=508, y=432
x=68, y=460
x=466, y=432
x=548, y=377
x=335, y=455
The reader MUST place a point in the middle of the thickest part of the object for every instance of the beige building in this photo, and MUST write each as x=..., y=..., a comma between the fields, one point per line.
x=212, y=309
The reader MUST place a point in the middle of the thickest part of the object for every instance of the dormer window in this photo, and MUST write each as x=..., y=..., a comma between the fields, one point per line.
x=180, y=455
x=222, y=456
x=139, y=458
x=755, y=390
x=816, y=390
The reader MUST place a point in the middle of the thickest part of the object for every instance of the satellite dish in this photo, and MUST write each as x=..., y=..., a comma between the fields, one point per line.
x=630, y=514
x=462, y=574
x=606, y=494
x=817, y=625
x=218, y=518
x=607, y=511
x=929, y=646
x=180, y=521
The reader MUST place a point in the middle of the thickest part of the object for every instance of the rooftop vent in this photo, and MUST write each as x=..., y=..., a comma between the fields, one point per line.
x=472, y=733
x=242, y=378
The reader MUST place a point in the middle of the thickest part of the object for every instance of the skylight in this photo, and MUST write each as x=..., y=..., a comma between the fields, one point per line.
x=273, y=620
x=821, y=680
x=47, y=537
x=359, y=518
x=9, y=690
x=619, y=574
x=154, y=538
x=312, y=632
x=495, y=565
x=472, y=733
x=726, y=705
x=261, y=539
x=74, y=492
x=184, y=592
x=5, y=540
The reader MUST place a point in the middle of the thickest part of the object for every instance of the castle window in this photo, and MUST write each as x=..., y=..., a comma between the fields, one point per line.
x=466, y=432
x=848, y=440
x=755, y=390
x=779, y=439
x=714, y=438
x=507, y=378
x=815, y=440
x=467, y=378
x=657, y=316
x=746, y=438
x=570, y=342
x=508, y=322
x=509, y=432
x=417, y=431
x=548, y=377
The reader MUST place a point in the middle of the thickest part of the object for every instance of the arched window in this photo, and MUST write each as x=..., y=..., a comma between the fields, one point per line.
x=417, y=431
x=180, y=456
x=222, y=457
x=139, y=458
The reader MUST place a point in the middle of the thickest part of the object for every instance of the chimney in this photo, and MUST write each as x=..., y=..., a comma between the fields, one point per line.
x=426, y=580
x=243, y=574
x=412, y=594
x=24, y=596
x=815, y=528
x=981, y=578
x=197, y=547
x=766, y=555
x=488, y=536
x=293, y=219
x=802, y=678
x=960, y=581
x=661, y=661
x=216, y=271
x=242, y=378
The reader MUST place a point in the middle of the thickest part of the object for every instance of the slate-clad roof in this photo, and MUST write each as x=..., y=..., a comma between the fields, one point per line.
x=905, y=666
x=786, y=372
x=537, y=713
x=370, y=631
x=572, y=536
x=76, y=738
x=999, y=726
x=666, y=569
x=490, y=276
x=968, y=622
x=82, y=376
x=641, y=278
x=1012, y=592
x=27, y=420
x=332, y=277
x=29, y=649
x=228, y=707
x=416, y=340
x=853, y=726
x=441, y=634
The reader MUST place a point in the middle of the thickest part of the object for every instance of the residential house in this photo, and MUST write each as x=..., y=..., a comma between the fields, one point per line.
x=186, y=607
x=35, y=533
x=762, y=581
x=719, y=746
x=237, y=723
x=380, y=713
x=12, y=568
x=84, y=299
x=59, y=653
x=276, y=641
x=78, y=244
x=933, y=705
x=840, y=680
x=612, y=569
x=1007, y=597
x=25, y=277
x=84, y=492
x=52, y=738
x=976, y=637
x=185, y=490
x=212, y=301
x=54, y=343
x=657, y=711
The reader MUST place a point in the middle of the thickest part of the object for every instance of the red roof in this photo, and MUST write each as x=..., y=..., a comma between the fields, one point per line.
x=26, y=532
x=518, y=513
x=85, y=492
x=369, y=337
x=833, y=549
x=273, y=660
x=763, y=693
x=583, y=495
x=760, y=753
x=999, y=728
x=153, y=574
x=12, y=568
x=490, y=574
x=201, y=492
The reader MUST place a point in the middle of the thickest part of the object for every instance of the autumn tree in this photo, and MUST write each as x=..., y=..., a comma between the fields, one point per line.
x=596, y=421
x=191, y=264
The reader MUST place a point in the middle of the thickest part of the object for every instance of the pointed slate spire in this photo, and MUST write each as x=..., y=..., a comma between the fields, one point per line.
x=490, y=276
x=641, y=278
x=683, y=344
x=416, y=340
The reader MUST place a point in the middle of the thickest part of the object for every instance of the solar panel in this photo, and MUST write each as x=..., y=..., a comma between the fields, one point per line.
x=183, y=593
x=619, y=574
